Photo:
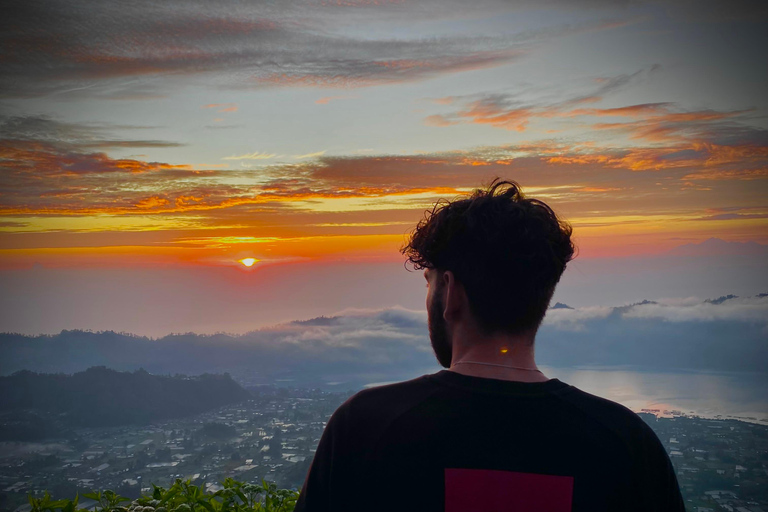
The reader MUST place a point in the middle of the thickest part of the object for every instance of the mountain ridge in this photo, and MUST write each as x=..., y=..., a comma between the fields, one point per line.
x=113, y=397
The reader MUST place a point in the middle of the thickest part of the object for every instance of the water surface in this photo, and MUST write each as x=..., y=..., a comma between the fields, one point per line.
x=708, y=395
x=705, y=394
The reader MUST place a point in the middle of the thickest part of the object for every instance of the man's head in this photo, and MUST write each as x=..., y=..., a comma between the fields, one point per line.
x=507, y=252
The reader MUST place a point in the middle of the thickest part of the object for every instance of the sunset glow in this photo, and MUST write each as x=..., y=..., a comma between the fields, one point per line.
x=248, y=262
x=317, y=133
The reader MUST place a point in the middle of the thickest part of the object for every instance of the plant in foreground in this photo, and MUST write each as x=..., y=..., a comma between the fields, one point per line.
x=182, y=496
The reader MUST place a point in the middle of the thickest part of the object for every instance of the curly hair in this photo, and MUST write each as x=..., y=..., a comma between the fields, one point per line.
x=506, y=250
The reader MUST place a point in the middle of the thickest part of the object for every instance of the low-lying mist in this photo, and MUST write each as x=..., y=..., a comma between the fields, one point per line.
x=726, y=334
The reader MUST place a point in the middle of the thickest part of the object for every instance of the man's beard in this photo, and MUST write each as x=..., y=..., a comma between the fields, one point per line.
x=438, y=334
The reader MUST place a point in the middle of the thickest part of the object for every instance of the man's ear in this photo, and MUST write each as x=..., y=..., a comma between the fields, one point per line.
x=455, y=298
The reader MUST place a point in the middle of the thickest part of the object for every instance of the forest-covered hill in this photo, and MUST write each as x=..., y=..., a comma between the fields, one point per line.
x=101, y=397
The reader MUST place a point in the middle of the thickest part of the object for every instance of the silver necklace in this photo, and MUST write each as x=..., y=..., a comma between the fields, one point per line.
x=499, y=365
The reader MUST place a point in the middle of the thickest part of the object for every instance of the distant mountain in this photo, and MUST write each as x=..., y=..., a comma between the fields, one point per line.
x=722, y=299
x=560, y=305
x=624, y=309
x=100, y=397
x=303, y=352
x=347, y=350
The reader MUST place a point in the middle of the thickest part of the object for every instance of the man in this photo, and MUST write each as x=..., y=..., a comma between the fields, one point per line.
x=491, y=433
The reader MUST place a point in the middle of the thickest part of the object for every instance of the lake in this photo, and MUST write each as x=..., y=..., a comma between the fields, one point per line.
x=709, y=395
x=706, y=394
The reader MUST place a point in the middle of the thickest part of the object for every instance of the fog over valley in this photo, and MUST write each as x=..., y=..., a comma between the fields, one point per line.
x=728, y=334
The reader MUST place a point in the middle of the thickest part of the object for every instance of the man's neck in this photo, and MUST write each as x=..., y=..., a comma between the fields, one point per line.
x=498, y=356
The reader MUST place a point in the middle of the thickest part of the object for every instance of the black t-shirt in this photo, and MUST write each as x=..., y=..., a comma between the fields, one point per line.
x=452, y=443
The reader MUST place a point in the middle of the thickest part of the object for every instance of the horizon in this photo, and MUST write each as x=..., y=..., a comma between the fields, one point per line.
x=353, y=312
x=234, y=300
x=234, y=166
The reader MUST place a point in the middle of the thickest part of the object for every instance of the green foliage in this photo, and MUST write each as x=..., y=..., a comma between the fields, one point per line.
x=106, y=501
x=182, y=496
x=47, y=504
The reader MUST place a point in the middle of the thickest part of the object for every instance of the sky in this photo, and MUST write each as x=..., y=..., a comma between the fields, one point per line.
x=147, y=148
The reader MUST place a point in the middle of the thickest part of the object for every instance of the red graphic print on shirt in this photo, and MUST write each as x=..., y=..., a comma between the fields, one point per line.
x=482, y=490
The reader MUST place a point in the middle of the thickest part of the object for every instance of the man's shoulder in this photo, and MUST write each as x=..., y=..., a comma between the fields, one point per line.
x=617, y=418
x=590, y=402
x=383, y=396
x=369, y=409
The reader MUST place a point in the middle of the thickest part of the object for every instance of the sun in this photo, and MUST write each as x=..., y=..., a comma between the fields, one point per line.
x=248, y=262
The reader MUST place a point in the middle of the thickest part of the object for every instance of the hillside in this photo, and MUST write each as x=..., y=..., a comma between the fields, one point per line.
x=100, y=397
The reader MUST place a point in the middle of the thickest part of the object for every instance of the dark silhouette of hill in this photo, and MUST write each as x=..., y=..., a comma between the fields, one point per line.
x=100, y=397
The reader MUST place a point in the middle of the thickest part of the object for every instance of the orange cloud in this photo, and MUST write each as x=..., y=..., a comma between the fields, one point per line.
x=643, y=110
x=675, y=157
x=658, y=123
x=438, y=120
x=222, y=107
x=327, y=99
x=47, y=159
x=654, y=122
x=728, y=175
x=152, y=202
x=56, y=187
x=446, y=100
x=596, y=189
x=483, y=112
x=719, y=154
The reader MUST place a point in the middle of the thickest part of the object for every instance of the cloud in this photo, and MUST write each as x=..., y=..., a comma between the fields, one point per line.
x=116, y=50
x=676, y=334
x=514, y=111
x=59, y=47
x=468, y=55
x=740, y=309
x=138, y=50
x=223, y=126
x=309, y=155
x=493, y=112
x=727, y=136
x=737, y=309
x=445, y=100
x=327, y=99
x=659, y=123
x=222, y=107
x=13, y=224
x=130, y=144
x=393, y=343
x=52, y=169
x=735, y=216
x=702, y=161
x=727, y=175
x=76, y=135
x=438, y=120
x=709, y=145
x=256, y=155
x=574, y=319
